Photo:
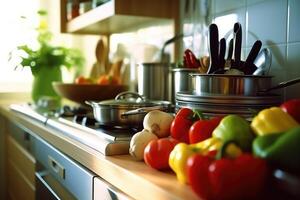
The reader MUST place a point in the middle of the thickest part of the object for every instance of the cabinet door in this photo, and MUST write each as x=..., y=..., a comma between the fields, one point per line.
x=20, y=166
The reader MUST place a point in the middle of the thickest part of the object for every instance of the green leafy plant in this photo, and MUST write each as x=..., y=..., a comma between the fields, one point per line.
x=46, y=55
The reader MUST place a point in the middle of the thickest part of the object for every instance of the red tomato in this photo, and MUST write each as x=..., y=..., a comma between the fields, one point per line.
x=202, y=129
x=292, y=107
x=156, y=153
x=181, y=124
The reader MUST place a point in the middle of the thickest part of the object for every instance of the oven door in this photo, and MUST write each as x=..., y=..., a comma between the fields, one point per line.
x=48, y=188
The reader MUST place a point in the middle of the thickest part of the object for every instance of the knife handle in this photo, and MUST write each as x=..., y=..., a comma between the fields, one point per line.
x=230, y=49
x=254, y=52
x=213, y=48
x=222, y=50
x=237, y=29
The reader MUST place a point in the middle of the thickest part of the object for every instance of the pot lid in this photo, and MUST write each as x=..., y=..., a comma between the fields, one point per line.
x=129, y=100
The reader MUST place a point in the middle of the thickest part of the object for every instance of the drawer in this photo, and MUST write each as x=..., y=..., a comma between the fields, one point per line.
x=23, y=161
x=76, y=178
x=17, y=185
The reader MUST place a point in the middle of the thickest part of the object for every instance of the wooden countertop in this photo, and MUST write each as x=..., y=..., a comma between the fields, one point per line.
x=134, y=178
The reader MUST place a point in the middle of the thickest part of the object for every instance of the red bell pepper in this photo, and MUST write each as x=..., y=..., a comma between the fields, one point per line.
x=156, y=153
x=292, y=107
x=202, y=129
x=240, y=178
x=190, y=59
x=181, y=124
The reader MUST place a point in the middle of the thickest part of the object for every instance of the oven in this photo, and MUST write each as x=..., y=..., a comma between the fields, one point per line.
x=60, y=177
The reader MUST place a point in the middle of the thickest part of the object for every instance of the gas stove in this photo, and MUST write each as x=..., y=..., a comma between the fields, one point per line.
x=78, y=123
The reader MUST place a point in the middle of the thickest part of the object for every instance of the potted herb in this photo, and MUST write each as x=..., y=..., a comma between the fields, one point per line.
x=46, y=61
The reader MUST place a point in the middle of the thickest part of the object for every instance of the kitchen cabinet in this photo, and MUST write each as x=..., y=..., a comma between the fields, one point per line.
x=20, y=164
x=119, y=16
x=116, y=16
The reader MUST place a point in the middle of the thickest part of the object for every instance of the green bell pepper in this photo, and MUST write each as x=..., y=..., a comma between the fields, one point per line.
x=235, y=128
x=282, y=150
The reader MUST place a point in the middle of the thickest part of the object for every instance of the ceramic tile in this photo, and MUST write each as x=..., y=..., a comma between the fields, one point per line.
x=226, y=20
x=278, y=68
x=251, y=2
x=227, y=5
x=267, y=21
x=293, y=70
x=294, y=28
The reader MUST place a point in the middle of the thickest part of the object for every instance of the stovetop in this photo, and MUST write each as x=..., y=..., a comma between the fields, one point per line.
x=78, y=123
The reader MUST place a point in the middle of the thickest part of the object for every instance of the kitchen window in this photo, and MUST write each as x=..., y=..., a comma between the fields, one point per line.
x=15, y=32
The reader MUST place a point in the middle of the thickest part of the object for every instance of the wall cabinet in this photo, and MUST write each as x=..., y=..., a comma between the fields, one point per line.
x=119, y=16
x=116, y=16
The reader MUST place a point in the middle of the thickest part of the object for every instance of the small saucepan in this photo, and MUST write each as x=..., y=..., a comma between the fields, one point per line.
x=125, y=109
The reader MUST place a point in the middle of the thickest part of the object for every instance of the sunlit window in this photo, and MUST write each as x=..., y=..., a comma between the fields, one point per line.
x=16, y=31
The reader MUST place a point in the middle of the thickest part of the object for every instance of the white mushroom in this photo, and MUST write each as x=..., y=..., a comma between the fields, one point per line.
x=139, y=142
x=158, y=123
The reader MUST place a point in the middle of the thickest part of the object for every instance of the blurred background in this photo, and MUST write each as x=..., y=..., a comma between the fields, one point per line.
x=274, y=22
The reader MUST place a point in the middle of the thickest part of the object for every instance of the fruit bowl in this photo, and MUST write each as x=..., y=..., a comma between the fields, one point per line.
x=80, y=93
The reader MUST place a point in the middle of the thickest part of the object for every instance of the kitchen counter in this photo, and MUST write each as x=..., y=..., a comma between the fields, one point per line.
x=134, y=178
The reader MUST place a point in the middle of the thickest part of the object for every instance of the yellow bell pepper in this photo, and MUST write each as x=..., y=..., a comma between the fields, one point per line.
x=272, y=120
x=182, y=151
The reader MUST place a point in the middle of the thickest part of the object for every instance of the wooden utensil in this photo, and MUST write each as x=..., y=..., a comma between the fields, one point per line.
x=99, y=67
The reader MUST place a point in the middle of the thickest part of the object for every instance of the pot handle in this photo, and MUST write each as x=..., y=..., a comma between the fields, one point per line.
x=126, y=95
x=282, y=85
x=143, y=110
x=90, y=103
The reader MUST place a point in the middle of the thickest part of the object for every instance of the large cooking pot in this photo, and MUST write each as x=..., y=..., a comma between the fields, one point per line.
x=119, y=111
x=223, y=84
x=244, y=85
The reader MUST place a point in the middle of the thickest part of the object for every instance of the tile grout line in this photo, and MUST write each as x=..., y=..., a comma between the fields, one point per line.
x=287, y=42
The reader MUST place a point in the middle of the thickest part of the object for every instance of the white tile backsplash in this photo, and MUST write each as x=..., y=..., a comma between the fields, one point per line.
x=276, y=24
x=278, y=68
x=294, y=26
x=267, y=21
x=293, y=69
x=221, y=5
x=226, y=20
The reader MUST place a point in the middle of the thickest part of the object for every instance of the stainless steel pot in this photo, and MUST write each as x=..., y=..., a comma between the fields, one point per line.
x=182, y=81
x=223, y=84
x=155, y=81
x=114, y=112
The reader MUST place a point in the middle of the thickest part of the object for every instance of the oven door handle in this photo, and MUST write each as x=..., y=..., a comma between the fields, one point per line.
x=56, y=167
x=40, y=176
x=49, y=188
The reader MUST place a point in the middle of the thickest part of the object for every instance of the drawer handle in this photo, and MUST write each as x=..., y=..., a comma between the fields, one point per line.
x=56, y=167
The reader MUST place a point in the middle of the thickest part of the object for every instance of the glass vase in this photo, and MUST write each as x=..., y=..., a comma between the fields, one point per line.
x=42, y=83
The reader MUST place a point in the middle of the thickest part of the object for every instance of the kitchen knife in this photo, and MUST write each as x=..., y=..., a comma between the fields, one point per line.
x=253, y=52
x=249, y=67
x=237, y=44
x=230, y=49
x=222, y=53
x=229, y=55
x=213, y=48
